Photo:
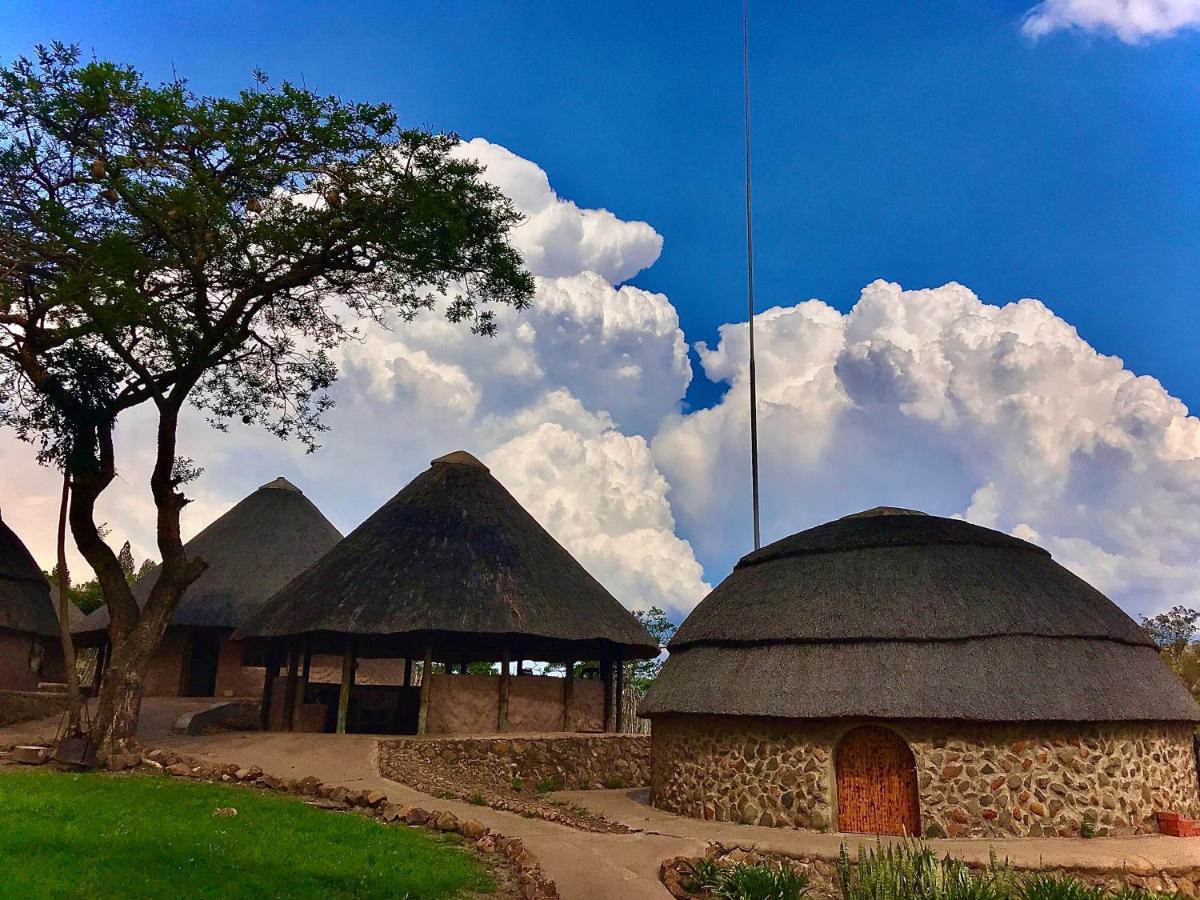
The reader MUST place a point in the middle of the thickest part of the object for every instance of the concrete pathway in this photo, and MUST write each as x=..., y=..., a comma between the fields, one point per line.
x=1142, y=854
x=588, y=866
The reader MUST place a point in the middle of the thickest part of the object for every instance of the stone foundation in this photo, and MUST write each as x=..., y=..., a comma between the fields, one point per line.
x=974, y=780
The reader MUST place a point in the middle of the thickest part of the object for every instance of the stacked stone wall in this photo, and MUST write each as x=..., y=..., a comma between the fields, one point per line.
x=570, y=762
x=974, y=780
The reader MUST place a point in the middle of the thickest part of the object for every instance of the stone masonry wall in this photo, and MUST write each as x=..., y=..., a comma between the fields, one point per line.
x=975, y=780
x=571, y=762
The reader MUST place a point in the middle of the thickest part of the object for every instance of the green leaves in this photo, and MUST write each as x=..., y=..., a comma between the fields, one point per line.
x=212, y=250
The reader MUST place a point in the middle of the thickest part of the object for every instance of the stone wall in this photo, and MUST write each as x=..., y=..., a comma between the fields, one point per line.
x=975, y=780
x=24, y=706
x=19, y=662
x=470, y=704
x=569, y=762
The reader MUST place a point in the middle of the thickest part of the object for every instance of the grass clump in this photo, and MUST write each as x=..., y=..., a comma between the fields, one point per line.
x=911, y=871
x=614, y=784
x=98, y=836
x=549, y=785
x=745, y=881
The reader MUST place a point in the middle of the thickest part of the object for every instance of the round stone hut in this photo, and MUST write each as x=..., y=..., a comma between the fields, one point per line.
x=30, y=646
x=254, y=549
x=898, y=673
x=451, y=571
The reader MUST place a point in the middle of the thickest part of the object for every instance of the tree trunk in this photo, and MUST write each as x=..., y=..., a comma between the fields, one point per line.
x=64, y=618
x=134, y=634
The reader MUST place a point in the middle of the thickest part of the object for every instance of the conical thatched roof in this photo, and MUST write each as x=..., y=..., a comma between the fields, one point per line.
x=892, y=613
x=25, y=603
x=252, y=551
x=453, y=559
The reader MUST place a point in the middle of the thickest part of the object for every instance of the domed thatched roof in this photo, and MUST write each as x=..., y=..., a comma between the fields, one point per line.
x=25, y=603
x=252, y=551
x=892, y=613
x=454, y=559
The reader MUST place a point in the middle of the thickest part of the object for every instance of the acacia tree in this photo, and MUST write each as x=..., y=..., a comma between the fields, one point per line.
x=160, y=248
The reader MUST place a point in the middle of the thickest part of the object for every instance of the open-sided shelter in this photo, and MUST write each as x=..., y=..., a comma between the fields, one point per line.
x=253, y=550
x=902, y=673
x=453, y=571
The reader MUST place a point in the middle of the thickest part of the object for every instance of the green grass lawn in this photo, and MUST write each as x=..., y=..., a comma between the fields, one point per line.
x=91, y=835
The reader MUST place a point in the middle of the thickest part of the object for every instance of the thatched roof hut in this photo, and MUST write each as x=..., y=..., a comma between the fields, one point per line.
x=453, y=560
x=891, y=611
x=908, y=674
x=25, y=602
x=253, y=550
x=29, y=636
x=451, y=569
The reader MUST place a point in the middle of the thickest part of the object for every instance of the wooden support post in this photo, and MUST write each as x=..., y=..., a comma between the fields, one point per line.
x=606, y=680
x=502, y=716
x=269, y=666
x=347, y=683
x=426, y=678
x=620, y=692
x=408, y=672
x=568, y=696
x=289, y=691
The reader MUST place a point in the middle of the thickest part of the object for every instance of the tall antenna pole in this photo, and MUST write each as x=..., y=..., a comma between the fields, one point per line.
x=750, y=271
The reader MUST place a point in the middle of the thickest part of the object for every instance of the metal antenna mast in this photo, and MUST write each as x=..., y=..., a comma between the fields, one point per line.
x=750, y=271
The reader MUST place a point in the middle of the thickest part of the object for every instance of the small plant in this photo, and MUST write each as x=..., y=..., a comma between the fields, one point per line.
x=701, y=875
x=477, y=799
x=615, y=783
x=547, y=785
x=1087, y=828
x=517, y=785
x=761, y=881
x=744, y=881
x=1046, y=887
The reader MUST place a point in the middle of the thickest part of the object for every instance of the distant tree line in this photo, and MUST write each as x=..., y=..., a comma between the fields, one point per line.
x=86, y=595
x=1175, y=632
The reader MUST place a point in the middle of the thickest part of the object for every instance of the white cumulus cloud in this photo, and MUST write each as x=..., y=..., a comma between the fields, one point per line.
x=558, y=237
x=1132, y=21
x=936, y=400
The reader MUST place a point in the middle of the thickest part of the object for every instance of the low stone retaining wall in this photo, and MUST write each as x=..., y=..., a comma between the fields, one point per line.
x=24, y=706
x=515, y=774
x=567, y=762
x=822, y=873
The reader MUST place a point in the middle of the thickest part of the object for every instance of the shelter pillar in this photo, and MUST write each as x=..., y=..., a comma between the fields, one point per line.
x=408, y=667
x=502, y=717
x=568, y=695
x=270, y=666
x=606, y=672
x=289, y=692
x=426, y=678
x=348, y=666
x=620, y=692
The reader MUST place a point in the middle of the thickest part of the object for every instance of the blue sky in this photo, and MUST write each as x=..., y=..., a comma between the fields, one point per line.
x=915, y=142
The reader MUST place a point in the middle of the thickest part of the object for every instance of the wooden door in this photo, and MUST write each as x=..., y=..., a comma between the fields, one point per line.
x=877, y=783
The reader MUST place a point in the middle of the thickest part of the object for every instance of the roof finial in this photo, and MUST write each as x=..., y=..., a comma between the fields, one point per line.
x=459, y=458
